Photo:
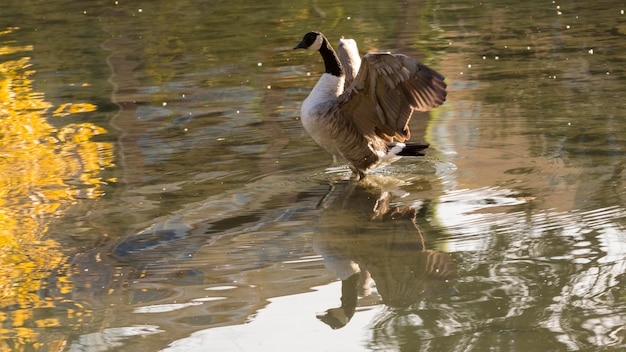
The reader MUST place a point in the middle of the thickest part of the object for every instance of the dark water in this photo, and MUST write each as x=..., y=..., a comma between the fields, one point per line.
x=159, y=193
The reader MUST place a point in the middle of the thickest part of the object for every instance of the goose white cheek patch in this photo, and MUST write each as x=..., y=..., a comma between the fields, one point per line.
x=317, y=44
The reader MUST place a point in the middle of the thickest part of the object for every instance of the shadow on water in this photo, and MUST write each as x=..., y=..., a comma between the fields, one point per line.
x=363, y=236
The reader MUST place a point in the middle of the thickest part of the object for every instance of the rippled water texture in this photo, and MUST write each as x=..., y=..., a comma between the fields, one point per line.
x=159, y=193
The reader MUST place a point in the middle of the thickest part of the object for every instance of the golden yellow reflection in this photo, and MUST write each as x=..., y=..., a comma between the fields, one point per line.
x=37, y=161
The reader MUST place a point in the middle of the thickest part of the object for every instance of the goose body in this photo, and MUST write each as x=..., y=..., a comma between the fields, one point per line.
x=359, y=110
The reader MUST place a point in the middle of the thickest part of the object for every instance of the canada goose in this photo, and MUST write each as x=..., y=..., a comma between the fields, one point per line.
x=357, y=108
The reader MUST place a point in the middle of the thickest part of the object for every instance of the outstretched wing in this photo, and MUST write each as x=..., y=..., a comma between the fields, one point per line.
x=385, y=92
x=348, y=54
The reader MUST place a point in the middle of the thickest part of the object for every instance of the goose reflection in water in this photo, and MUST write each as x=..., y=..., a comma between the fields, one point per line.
x=363, y=236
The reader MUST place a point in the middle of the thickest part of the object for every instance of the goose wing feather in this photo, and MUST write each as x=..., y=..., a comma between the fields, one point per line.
x=348, y=54
x=386, y=91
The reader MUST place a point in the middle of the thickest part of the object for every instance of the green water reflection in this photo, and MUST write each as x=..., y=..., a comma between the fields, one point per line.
x=194, y=211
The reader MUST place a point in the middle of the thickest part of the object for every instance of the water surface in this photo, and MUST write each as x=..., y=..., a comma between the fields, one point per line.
x=159, y=193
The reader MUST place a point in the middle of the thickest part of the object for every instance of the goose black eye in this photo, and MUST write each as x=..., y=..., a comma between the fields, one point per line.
x=310, y=38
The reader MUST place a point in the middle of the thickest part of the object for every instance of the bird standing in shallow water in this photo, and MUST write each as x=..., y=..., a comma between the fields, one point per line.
x=361, y=112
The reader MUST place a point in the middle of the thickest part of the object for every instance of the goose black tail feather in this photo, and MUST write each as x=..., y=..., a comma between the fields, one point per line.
x=413, y=149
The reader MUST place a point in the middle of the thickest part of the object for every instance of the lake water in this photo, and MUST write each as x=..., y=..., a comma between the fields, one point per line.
x=158, y=192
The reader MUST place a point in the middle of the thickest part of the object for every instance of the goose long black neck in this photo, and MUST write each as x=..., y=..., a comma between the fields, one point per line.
x=331, y=61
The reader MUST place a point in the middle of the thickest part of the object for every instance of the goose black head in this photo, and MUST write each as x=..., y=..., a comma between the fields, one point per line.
x=311, y=41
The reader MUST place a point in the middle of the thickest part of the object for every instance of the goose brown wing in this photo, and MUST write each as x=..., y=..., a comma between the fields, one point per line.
x=348, y=54
x=385, y=92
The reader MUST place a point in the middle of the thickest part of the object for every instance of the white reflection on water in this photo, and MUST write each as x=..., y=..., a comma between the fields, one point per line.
x=279, y=328
x=468, y=215
x=590, y=289
x=110, y=338
x=586, y=294
x=162, y=308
